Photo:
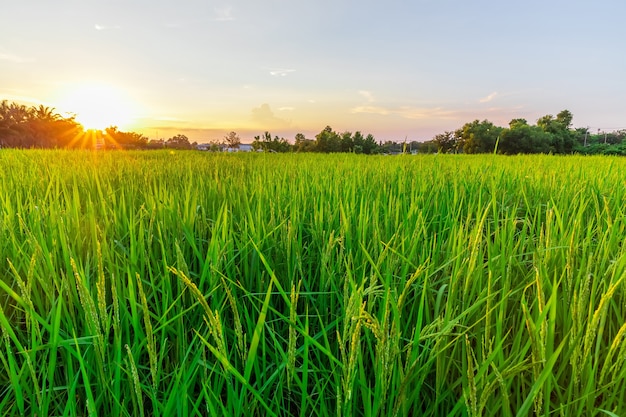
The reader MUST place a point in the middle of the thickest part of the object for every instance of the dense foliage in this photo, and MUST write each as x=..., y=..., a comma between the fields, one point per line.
x=42, y=127
x=551, y=134
x=179, y=283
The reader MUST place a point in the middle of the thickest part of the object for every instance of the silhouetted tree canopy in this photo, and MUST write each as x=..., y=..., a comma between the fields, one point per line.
x=43, y=127
x=550, y=135
x=37, y=127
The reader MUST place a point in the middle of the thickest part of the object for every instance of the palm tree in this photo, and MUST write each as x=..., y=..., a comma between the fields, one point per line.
x=40, y=126
x=45, y=113
x=44, y=126
x=13, y=123
x=4, y=122
x=19, y=113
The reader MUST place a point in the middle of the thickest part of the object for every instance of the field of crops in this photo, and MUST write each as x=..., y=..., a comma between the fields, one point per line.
x=160, y=284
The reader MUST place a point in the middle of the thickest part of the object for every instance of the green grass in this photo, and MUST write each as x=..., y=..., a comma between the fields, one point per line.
x=159, y=284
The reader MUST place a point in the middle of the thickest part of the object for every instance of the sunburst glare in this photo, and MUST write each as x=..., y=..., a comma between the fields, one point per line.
x=98, y=106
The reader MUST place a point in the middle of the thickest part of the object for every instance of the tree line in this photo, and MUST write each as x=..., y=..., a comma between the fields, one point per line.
x=42, y=127
x=36, y=127
x=551, y=134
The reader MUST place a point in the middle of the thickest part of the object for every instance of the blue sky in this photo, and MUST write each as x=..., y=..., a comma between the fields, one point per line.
x=392, y=68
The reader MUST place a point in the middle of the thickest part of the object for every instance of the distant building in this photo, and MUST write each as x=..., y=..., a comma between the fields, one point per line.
x=204, y=146
x=243, y=147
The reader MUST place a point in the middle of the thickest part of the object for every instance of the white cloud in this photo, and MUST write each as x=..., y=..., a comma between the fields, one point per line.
x=370, y=110
x=224, y=14
x=369, y=97
x=488, y=98
x=426, y=113
x=105, y=27
x=286, y=108
x=281, y=72
x=264, y=115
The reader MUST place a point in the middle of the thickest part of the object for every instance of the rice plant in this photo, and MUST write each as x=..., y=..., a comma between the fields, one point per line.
x=160, y=283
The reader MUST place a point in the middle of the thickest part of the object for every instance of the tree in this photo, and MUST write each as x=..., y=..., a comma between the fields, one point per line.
x=522, y=138
x=327, y=141
x=346, y=142
x=430, y=146
x=564, y=119
x=547, y=123
x=41, y=127
x=15, y=129
x=46, y=124
x=66, y=132
x=45, y=114
x=302, y=144
x=446, y=142
x=232, y=140
x=178, y=142
x=215, y=146
x=115, y=138
x=358, y=141
x=267, y=144
x=369, y=145
x=563, y=139
x=155, y=144
x=390, y=147
x=261, y=142
x=478, y=137
x=516, y=122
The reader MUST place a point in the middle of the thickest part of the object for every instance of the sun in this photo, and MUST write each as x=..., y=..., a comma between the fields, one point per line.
x=98, y=106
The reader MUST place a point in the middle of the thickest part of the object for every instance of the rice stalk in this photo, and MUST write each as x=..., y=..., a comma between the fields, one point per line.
x=150, y=340
x=293, y=335
x=138, y=398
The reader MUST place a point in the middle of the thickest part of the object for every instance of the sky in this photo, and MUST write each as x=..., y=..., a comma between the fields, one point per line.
x=396, y=69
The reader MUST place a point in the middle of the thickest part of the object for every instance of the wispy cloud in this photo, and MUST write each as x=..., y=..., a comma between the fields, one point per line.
x=16, y=95
x=100, y=27
x=281, y=72
x=224, y=14
x=286, y=108
x=426, y=113
x=369, y=106
x=488, y=98
x=407, y=112
x=370, y=110
x=498, y=115
x=369, y=97
x=4, y=56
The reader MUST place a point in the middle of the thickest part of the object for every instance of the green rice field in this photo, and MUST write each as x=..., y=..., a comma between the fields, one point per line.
x=197, y=284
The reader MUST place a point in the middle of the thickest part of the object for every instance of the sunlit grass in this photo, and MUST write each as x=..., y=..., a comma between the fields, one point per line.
x=156, y=283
